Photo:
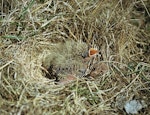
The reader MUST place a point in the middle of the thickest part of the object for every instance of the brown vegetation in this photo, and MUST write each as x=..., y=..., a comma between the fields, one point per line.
x=44, y=65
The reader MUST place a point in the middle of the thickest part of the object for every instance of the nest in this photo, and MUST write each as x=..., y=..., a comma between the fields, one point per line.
x=44, y=66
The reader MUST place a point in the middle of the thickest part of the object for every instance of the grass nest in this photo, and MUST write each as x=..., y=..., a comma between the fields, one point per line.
x=45, y=61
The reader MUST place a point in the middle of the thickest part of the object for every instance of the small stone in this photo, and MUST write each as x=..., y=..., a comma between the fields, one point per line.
x=133, y=106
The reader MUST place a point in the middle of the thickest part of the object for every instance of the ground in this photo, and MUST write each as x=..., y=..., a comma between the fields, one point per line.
x=75, y=57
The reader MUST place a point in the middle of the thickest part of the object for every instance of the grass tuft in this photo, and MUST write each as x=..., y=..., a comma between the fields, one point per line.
x=45, y=40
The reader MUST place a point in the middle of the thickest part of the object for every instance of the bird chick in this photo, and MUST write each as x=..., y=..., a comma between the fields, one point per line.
x=65, y=58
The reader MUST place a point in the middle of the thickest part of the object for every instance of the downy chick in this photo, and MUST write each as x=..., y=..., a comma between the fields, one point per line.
x=65, y=58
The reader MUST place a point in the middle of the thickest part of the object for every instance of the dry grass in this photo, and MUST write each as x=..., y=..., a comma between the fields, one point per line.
x=33, y=30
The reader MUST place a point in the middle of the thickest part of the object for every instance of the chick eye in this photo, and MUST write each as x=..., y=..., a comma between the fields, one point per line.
x=85, y=54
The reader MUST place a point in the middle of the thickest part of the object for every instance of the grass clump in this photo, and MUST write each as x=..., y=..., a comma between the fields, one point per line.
x=39, y=34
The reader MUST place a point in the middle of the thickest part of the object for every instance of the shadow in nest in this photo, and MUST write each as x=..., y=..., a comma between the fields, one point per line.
x=52, y=74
